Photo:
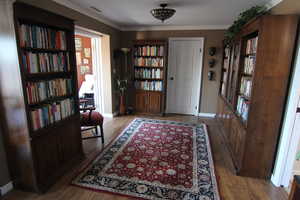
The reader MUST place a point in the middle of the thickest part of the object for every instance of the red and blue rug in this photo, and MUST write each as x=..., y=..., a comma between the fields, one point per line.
x=155, y=159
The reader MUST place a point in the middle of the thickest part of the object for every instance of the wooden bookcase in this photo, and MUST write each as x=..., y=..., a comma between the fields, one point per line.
x=251, y=103
x=150, y=70
x=52, y=143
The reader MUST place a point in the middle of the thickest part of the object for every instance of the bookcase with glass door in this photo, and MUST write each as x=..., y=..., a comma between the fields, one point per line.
x=251, y=103
x=52, y=143
x=149, y=66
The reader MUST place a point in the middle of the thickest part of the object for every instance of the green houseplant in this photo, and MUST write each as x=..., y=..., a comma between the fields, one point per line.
x=243, y=18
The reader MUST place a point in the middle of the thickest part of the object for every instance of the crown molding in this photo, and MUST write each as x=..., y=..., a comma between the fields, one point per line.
x=173, y=28
x=272, y=3
x=88, y=12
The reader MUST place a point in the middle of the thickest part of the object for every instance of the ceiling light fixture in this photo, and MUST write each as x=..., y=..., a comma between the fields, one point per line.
x=163, y=13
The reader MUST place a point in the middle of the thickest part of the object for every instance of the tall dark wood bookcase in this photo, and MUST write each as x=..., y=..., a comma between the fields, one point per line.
x=150, y=70
x=52, y=143
x=251, y=103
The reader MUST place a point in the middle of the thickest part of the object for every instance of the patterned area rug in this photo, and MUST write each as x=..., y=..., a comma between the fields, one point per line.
x=155, y=159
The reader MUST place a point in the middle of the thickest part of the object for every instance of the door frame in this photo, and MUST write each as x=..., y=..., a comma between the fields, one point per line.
x=289, y=138
x=199, y=88
x=96, y=64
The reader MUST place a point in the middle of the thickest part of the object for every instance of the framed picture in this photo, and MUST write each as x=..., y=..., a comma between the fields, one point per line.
x=78, y=44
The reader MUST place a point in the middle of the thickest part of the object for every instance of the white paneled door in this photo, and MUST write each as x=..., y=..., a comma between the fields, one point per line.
x=184, y=75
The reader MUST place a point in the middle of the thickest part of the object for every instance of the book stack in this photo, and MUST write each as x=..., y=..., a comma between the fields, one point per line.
x=251, y=45
x=148, y=73
x=45, y=62
x=43, y=90
x=149, y=85
x=249, y=65
x=149, y=62
x=246, y=85
x=40, y=37
x=227, y=52
x=243, y=107
x=51, y=113
x=149, y=51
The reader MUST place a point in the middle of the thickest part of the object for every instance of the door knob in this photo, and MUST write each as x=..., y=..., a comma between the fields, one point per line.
x=172, y=78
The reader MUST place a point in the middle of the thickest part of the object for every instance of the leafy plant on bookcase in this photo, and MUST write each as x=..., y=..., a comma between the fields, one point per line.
x=149, y=66
x=244, y=88
x=48, y=79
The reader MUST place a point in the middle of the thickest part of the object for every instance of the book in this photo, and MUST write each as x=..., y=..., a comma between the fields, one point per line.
x=246, y=86
x=249, y=64
x=243, y=107
x=45, y=62
x=149, y=62
x=43, y=90
x=33, y=36
x=149, y=85
x=148, y=73
x=51, y=113
x=149, y=50
x=251, y=45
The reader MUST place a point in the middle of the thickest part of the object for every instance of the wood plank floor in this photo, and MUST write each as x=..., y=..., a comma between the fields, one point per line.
x=231, y=187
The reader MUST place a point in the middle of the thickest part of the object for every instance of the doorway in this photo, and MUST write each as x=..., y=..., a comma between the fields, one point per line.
x=184, y=75
x=89, y=68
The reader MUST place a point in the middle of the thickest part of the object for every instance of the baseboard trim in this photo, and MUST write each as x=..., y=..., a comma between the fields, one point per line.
x=6, y=188
x=208, y=115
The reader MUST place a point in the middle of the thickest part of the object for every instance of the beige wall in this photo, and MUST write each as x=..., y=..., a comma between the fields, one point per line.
x=213, y=38
x=86, y=22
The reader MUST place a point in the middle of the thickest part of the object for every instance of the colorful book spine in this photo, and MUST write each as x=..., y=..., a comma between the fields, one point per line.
x=149, y=50
x=246, y=86
x=149, y=85
x=148, y=73
x=45, y=62
x=251, y=46
x=40, y=91
x=249, y=65
x=33, y=36
x=243, y=107
x=149, y=62
x=51, y=113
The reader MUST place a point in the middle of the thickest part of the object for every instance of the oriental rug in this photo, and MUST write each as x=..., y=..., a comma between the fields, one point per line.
x=155, y=159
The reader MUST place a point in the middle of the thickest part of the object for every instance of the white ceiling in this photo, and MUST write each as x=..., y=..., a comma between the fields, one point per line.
x=135, y=14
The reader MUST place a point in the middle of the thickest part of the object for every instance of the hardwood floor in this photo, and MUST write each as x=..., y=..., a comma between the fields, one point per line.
x=231, y=187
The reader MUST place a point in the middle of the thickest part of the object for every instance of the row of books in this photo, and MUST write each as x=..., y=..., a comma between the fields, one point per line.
x=40, y=91
x=249, y=64
x=227, y=52
x=149, y=85
x=40, y=37
x=251, y=45
x=148, y=73
x=46, y=62
x=149, y=62
x=243, y=107
x=51, y=113
x=246, y=85
x=149, y=51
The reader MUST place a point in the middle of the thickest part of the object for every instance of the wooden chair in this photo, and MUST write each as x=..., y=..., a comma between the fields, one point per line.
x=91, y=120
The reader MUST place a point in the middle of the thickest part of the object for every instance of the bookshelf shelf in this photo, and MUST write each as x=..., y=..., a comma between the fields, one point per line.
x=42, y=50
x=46, y=50
x=152, y=67
x=149, y=67
x=42, y=131
x=47, y=75
x=250, y=106
x=48, y=101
